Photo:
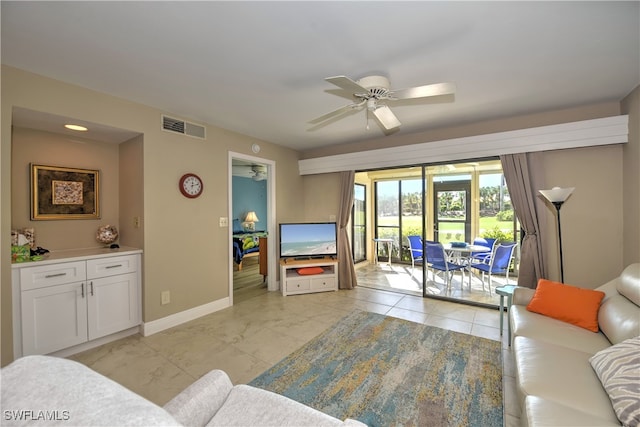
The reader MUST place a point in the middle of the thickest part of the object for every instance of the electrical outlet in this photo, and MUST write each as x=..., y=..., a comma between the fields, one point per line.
x=224, y=221
x=136, y=222
x=165, y=297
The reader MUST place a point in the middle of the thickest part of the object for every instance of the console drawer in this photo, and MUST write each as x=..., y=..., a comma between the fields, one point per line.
x=294, y=285
x=322, y=283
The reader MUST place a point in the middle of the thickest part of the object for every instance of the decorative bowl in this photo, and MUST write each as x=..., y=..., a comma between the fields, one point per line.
x=107, y=234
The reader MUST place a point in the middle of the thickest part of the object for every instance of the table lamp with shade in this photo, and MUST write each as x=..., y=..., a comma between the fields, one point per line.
x=250, y=221
x=557, y=196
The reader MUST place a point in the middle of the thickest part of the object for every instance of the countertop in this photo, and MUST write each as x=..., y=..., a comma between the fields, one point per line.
x=76, y=254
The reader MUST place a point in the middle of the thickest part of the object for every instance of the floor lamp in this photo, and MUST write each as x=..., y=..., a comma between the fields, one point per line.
x=558, y=196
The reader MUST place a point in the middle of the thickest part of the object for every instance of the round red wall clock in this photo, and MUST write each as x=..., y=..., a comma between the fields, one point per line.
x=191, y=185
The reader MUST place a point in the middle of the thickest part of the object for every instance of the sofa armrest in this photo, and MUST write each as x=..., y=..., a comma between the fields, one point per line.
x=198, y=403
x=74, y=394
x=522, y=296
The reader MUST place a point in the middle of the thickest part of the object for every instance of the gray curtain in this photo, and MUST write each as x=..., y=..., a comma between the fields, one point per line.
x=346, y=271
x=523, y=192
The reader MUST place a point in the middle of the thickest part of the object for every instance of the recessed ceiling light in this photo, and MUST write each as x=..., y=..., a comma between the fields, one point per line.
x=76, y=127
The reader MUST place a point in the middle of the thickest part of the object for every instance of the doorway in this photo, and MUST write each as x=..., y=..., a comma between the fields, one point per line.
x=252, y=225
x=452, y=211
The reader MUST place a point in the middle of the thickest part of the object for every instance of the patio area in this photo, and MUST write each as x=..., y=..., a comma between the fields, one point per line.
x=399, y=278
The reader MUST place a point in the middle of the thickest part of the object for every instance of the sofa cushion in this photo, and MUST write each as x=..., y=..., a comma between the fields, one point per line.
x=629, y=283
x=540, y=412
x=618, y=317
x=250, y=406
x=561, y=375
x=618, y=368
x=528, y=324
x=570, y=304
x=67, y=389
x=198, y=403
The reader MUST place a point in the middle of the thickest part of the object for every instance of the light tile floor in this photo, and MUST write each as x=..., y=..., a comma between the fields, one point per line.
x=402, y=278
x=246, y=339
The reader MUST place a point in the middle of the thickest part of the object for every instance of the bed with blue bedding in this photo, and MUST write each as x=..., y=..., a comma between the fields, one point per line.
x=245, y=243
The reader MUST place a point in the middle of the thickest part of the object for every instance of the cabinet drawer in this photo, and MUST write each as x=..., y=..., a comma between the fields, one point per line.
x=294, y=285
x=321, y=283
x=112, y=266
x=49, y=275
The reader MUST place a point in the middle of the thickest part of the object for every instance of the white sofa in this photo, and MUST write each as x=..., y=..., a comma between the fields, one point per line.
x=44, y=390
x=557, y=385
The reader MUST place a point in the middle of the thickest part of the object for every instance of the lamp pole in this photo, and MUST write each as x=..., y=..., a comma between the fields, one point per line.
x=557, y=197
x=558, y=205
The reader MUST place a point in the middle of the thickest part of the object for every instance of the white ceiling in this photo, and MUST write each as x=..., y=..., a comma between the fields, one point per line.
x=258, y=68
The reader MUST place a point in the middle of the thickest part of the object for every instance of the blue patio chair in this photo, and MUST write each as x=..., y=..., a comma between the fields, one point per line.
x=437, y=260
x=499, y=263
x=483, y=257
x=416, y=250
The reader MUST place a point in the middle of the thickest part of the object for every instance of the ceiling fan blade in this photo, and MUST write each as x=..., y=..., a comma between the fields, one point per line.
x=347, y=84
x=386, y=117
x=424, y=91
x=337, y=112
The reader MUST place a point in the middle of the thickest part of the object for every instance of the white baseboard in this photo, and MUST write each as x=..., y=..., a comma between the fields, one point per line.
x=155, y=326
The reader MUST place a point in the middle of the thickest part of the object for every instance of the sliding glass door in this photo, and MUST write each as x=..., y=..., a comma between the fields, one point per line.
x=398, y=215
x=359, y=224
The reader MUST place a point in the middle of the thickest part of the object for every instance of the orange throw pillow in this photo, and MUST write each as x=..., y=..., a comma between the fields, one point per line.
x=310, y=270
x=570, y=304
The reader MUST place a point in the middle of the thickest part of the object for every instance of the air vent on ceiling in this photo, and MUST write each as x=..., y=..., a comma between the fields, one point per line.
x=182, y=127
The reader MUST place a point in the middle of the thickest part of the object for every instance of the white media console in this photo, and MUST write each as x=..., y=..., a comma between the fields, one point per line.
x=293, y=283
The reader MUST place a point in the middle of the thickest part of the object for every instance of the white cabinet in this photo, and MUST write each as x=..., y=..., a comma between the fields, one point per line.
x=64, y=303
x=53, y=318
x=292, y=282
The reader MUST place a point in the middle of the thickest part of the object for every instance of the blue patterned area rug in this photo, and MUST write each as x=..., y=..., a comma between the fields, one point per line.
x=385, y=371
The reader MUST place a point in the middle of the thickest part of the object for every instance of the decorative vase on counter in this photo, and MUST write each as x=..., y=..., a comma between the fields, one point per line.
x=107, y=234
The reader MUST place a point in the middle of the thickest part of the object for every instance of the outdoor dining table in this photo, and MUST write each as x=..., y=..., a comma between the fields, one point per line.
x=464, y=254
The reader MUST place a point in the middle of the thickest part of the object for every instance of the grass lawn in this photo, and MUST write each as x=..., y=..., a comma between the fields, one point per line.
x=411, y=225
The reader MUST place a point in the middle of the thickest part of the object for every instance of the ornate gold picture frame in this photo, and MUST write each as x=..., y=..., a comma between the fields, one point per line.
x=64, y=193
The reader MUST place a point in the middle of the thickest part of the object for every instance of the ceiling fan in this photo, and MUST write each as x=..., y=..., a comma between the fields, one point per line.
x=253, y=171
x=373, y=93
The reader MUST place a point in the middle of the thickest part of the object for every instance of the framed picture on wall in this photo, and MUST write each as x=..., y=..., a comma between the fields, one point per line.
x=64, y=193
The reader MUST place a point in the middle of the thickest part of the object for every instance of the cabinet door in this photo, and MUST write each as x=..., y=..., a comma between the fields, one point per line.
x=53, y=318
x=113, y=304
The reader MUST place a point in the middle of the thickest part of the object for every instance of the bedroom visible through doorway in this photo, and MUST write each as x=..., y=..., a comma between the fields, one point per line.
x=251, y=223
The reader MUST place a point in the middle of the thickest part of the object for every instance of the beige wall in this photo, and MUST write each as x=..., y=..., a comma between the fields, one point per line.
x=131, y=187
x=321, y=197
x=44, y=148
x=591, y=218
x=185, y=251
x=631, y=180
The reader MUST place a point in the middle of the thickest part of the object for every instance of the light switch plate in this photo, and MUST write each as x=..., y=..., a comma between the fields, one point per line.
x=224, y=221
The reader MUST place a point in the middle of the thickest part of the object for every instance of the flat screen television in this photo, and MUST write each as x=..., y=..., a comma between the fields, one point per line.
x=308, y=240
